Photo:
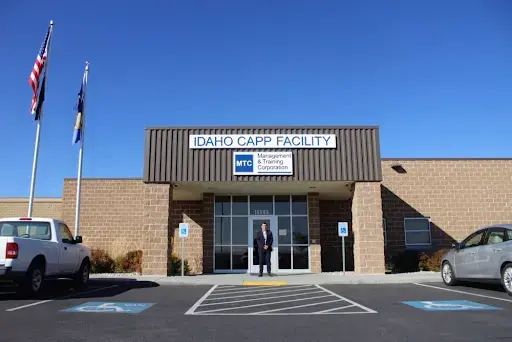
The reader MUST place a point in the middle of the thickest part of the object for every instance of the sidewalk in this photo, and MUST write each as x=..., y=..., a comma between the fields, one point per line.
x=288, y=279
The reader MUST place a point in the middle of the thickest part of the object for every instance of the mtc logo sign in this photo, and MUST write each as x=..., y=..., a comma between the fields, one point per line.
x=244, y=163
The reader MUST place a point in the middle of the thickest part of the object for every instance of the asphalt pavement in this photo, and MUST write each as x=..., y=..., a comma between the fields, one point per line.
x=146, y=311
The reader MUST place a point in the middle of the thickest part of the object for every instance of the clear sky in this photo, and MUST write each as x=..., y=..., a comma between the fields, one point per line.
x=436, y=76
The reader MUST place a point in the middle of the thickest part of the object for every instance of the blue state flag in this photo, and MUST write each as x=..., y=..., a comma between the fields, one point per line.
x=77, y=133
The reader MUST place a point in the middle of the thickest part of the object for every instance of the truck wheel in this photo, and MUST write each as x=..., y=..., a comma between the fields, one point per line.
x=34, y=280
x=82, y=276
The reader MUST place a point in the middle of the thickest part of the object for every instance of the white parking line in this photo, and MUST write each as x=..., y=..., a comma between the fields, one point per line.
x=268, y=293
x=464, y=292
x=347, y=300
x=57, y=298
x=253, y=299
x=296, y=307
x=196, y=305
x=225, y=289
x=264, y=304
x=253, y=290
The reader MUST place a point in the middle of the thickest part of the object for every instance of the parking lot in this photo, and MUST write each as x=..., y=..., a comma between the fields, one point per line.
x=129, y=311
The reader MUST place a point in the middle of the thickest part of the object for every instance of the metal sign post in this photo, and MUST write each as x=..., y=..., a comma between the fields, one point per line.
x=183, y=229
x=343, y=232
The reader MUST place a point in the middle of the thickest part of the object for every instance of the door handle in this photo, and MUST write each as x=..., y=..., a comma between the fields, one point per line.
x=472, y=253
x=66, y=248
x=497, y=249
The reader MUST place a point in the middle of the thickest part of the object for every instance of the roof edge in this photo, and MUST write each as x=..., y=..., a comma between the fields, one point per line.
x=261, y=127
x=447, y=159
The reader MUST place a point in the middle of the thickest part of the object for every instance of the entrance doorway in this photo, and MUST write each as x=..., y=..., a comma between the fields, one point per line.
x=254, y=227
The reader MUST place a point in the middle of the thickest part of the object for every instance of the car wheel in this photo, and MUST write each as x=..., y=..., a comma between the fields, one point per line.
x=82, y=276
x=34, y=280
x=447, y=274
x=506, y=278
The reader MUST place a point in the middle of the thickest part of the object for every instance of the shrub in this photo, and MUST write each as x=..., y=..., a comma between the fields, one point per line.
x=431, y=261
x=176, y=266
x=130, y=262
x=101, y=262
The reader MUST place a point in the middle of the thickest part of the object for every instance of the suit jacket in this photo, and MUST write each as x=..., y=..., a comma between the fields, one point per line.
x=260, y=239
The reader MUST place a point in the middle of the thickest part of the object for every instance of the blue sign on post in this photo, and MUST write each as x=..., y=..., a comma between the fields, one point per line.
x=449, y=305
x=183, y=229
x=104, y=307
x=342, y=229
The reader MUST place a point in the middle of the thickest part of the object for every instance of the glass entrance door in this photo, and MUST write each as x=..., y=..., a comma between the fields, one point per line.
x=254, y=227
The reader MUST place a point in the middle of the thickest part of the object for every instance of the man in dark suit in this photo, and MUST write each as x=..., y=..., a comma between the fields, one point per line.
x=264, y=238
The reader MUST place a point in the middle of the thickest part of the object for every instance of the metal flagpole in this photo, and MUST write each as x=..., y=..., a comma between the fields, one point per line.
x=81, y=152
x=38, y=130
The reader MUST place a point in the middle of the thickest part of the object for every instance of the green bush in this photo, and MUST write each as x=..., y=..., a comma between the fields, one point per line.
x=101, y=262
x=176, y=266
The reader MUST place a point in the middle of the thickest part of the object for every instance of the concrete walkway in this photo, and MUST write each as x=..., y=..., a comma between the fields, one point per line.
x=286, y=279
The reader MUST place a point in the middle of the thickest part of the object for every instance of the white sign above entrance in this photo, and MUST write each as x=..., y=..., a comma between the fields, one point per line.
x=262, y=163
x=205, y=141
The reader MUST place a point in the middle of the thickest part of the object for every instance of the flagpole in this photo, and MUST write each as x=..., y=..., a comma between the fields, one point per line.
x=38, y=131
x=81, y=151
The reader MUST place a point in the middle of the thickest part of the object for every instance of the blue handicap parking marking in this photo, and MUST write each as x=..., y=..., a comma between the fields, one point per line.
x=110, y=307
x=449, y=305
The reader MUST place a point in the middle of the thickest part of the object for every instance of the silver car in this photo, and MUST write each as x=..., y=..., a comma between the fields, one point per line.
x=484, y=256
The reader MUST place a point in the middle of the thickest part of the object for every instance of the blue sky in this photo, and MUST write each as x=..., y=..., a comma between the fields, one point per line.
x=436, y=76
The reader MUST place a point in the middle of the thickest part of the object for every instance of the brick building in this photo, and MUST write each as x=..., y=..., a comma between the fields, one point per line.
x=308, y=180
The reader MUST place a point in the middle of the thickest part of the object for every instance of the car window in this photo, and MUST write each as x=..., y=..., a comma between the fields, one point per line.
x=496, y=235
x=474, y=240
x=509, y=234
x=65, y=233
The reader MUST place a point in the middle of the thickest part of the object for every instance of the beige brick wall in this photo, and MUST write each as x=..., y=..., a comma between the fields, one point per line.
x=111, y=215
x=367, y=228
x=190, y=212
x=155, y=238
x=43, y=207
x=458, y=195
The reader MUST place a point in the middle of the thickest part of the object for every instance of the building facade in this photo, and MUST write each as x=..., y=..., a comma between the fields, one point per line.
x=224, y=182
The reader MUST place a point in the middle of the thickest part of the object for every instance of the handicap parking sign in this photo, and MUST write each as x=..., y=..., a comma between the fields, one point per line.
x=342, y=229
x=106, y=307
x=449, y=305
x=183, y=230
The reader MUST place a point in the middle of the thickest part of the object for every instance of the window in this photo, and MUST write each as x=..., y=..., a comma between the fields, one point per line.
x=496, y=235
x=509, y=234
x=417, y=231
x=65, y=234
x=475, y=239
x=31, y=230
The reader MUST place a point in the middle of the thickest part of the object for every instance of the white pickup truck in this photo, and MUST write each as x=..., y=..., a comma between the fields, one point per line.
x=34, y=249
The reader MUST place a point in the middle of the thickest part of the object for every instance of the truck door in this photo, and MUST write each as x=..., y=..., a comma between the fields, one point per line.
x=68, y=250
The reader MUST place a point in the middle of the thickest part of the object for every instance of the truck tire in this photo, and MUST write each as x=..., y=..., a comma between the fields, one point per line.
x=82, y=276
x=34, y=279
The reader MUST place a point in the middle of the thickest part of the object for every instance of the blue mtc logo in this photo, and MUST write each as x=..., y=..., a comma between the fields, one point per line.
x=244, y=163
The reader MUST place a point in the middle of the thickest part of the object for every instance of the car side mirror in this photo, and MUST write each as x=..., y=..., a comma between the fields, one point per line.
x=78, y=239
x=456, y=245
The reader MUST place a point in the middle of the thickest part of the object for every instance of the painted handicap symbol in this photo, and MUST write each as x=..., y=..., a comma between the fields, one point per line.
x=449, y=305
x=106, y=307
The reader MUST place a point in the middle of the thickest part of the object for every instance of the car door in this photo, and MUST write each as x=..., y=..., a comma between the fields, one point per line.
x=489, y=254
x=466, y=258
x=69, y=251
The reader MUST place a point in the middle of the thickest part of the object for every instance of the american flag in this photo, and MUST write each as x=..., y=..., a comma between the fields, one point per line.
x=39, y=65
